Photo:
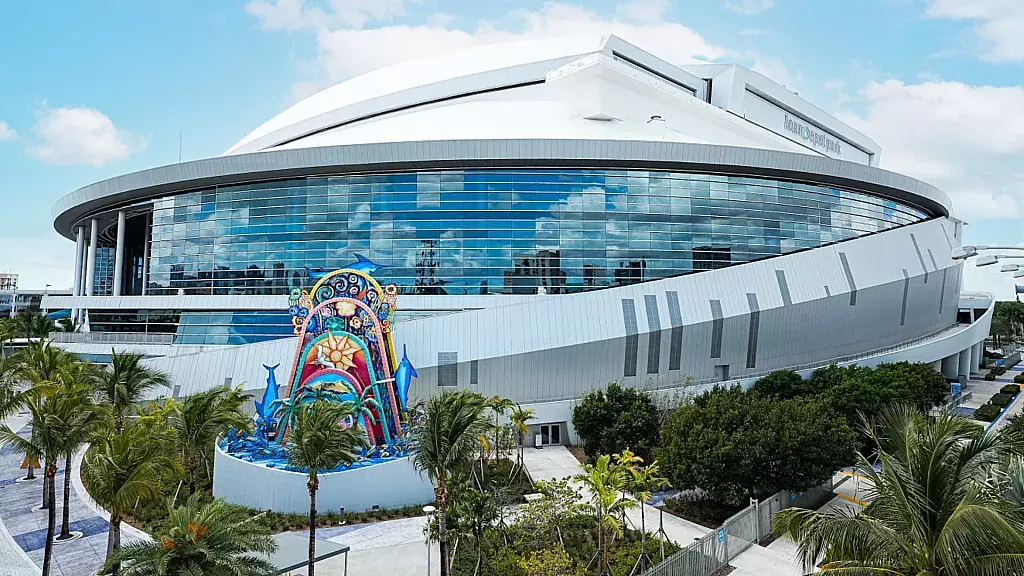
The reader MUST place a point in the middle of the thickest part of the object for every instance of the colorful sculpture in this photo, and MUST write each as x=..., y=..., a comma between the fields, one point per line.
x=344, y=354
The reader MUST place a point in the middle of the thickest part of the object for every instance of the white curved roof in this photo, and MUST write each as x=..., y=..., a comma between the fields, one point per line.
x=422, y=72
x=596, y=87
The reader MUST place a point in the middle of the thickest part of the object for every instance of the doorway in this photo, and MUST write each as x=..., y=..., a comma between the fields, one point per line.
x=550, y=434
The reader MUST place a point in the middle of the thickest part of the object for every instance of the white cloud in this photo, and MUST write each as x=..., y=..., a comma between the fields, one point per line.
x=749, y=7
x=345, y=50
x=749, y=32
x=6, y=132
x=773, y=68
x=997, y=23
x=80, y=135
x=967, y=140
x=297, y=15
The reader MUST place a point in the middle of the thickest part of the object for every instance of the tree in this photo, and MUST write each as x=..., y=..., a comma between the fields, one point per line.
x=605, y=481
x=124, y=470
x=124, y=384
x=54, y=420
x=29, y=324
x=41, y=364
x=642, y=482
x=550, y=562
x=199, y=420
x=520, y=419
x=783, y=384
x=448, y=438
x=74, y=381
x=321, y=440
x=933, y=510
x=734, y=444
x=617, y=418
x=475, y=512
x=213, y=538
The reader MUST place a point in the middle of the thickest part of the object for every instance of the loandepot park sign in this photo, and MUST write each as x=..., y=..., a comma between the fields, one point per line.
x=813, y=137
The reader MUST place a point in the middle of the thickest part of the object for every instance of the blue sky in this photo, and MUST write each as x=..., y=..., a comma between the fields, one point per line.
x=90, y=90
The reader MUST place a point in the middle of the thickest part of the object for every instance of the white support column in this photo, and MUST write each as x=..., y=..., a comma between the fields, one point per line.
x=79, y=261
x=90, y=268
x=964, y=363
x=951, y=366
x=145, y=252
x=119, y=253
x=937, y=365
x=975, y=358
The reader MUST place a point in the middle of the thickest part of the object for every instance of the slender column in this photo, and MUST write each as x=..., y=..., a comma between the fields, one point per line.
x=119, y=253
x=975, y=358
x=964, y=363
x=937, y=365
x=90, y=268
x=145, y=252
x=79, y=260
x=951, y=366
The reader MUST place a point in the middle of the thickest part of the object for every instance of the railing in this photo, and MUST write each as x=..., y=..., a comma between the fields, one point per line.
x=110, y=338
x=744, y=529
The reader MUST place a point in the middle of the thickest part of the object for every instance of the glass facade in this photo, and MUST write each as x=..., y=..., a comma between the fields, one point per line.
x=496, y=231
x=199, y=327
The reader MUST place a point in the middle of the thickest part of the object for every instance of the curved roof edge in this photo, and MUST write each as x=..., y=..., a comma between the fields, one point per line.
x=622, y=154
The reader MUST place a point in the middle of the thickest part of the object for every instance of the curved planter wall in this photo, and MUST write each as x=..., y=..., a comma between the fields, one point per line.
x=388, y=485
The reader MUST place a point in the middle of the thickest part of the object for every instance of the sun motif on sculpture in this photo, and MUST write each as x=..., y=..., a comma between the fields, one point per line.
x=336, y=352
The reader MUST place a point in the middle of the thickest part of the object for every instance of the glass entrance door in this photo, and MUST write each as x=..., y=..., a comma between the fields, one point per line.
x=550, y=434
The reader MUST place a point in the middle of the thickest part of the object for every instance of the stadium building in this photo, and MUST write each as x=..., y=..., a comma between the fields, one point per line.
x=555, y=215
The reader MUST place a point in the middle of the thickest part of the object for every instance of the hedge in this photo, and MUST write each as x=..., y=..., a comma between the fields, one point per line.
x=990, y=376
x=987, y=413
x=1019, y=378
x=999, y=370
x=1001, y=400
x=1012, y=389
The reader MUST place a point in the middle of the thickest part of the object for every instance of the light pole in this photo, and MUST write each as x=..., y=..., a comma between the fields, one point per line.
x=965, y=252
x=429, y=511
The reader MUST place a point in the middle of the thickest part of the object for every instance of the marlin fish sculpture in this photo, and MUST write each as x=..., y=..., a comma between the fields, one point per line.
x=362, y=264
x=403, y=378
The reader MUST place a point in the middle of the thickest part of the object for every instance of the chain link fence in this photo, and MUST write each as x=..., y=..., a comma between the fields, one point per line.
x=744, y=529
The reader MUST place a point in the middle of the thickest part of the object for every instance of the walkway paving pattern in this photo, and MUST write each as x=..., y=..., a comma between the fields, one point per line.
x=27, y=528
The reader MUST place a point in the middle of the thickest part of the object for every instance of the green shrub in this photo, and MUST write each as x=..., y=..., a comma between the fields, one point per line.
x=1012, y=389
x=619, y=417
x=999, y=370
x=991, y=376
x=987, y=413
x=1001, y=400
x=1019, y=378
x=701, y=509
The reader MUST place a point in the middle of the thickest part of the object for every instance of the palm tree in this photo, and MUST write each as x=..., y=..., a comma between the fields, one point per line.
x=932, y=510
x=199, y=420
x=498, y=406
x=74, y=381
x=321, y=440
x=125, y=470
x=604, y=481
x=213, y=538
x=520, y=417
x=54, y=420
x=41, y=364
x=447, y=439
x=642, y=482
x=124, y=383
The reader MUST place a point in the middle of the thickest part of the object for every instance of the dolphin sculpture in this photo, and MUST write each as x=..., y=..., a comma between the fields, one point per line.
x=265, y=409
x=403, y=377
x=362, y=264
